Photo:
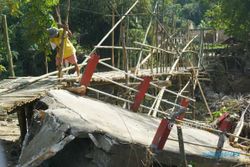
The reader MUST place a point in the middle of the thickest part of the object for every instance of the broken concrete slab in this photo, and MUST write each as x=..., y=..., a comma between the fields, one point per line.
x=111, y=136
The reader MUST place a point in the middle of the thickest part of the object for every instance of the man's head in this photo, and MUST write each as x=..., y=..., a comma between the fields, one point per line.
x=53, y=32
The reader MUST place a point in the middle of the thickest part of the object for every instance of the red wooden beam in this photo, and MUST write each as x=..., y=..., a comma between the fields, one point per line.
x=161, y=135
x=184, y=103
x=90, y=69
x=165, y=128
x=143, y=88
x=224, y=123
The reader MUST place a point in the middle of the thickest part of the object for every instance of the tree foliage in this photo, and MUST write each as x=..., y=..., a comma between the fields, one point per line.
x=35, y=29
x=233, y=16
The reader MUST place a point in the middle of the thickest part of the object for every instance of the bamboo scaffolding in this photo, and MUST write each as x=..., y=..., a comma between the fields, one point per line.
x=62, y=44
x=158, y=101
x=150, y=54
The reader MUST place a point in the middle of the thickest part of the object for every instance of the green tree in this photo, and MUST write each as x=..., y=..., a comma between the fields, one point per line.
x=7, y=7
x=31, y=38
x=233, y=16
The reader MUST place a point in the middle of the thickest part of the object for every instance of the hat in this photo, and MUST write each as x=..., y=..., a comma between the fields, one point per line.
x=53, y=32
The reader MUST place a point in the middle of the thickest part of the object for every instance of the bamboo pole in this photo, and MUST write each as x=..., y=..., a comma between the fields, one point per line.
x=204, y=98
x=113, y=37
x=120, y=47
x=46, y=64
x=156, y=42
x=7, y=43
x=156, y=48
x=62, y=44
x=58, y=14
x=202, y=93
x=144, y=40
x=124, y=52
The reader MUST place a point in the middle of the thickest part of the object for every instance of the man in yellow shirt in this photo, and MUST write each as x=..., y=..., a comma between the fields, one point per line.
x=69, y=50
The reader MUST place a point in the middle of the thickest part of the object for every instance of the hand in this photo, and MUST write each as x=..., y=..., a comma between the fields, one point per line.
x=66, y=27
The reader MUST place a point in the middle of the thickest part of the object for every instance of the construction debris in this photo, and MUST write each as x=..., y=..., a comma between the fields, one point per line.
x=237, y=111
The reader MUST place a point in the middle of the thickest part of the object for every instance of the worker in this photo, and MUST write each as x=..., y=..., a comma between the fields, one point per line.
x=69, y=55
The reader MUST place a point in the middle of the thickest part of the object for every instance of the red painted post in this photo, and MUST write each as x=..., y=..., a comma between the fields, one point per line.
x=165, y=127
x=89, y=70
x=143, y=88
x=184, y=103
x=161, y=135
x=221, y=118
x=225, y=125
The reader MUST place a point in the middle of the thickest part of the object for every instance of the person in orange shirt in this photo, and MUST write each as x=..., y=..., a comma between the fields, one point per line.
x=69, y=50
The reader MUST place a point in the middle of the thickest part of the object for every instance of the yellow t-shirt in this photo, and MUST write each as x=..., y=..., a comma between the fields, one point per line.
x=69, y=49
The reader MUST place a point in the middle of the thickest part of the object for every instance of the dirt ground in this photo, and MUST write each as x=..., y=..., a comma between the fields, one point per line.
x=9, y=135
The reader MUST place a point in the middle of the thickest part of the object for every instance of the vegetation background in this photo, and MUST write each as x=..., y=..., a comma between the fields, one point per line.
x=90, y=20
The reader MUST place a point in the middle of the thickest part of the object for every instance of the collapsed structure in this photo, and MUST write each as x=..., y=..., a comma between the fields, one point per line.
x=59, y=128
